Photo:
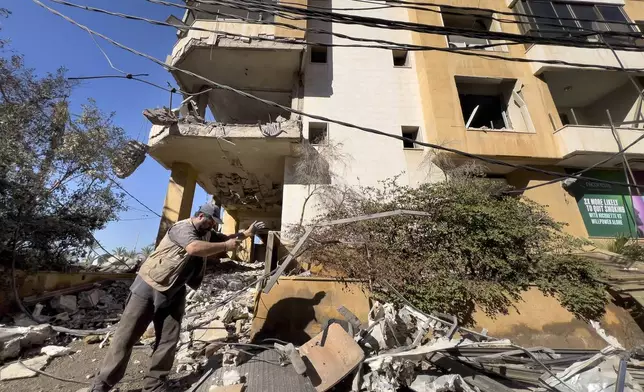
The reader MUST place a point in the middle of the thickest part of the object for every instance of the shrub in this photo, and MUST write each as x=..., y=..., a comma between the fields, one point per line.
x=477, y=247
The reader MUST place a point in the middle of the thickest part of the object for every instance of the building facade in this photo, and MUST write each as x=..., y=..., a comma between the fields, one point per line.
x=553, y=116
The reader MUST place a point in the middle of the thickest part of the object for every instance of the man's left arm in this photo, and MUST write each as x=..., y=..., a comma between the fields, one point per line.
x=252, y=229
x=240, y=236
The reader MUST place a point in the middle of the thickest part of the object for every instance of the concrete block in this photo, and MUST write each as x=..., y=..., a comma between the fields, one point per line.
x=213, y=332
x=64, y=303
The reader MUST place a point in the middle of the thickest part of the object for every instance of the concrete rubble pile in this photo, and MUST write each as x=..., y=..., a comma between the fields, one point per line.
x=98, y=307
x=430, y=353
x=407, y=350
x=211, y=328
x=218, y=316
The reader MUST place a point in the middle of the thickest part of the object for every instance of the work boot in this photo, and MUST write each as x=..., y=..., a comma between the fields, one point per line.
x=156, y=385
x=99, y=386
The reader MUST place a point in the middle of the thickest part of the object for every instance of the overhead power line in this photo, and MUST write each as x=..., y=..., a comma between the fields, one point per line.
x=615, y=155
x=421, y=6
x=134, y=197
x=322, y=118
x=382, y=43
x=341, y=18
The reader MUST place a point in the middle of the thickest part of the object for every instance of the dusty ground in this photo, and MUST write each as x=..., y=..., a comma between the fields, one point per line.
x=84, y=362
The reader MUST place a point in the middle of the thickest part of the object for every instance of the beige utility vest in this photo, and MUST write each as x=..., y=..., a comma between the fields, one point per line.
x=162, y=268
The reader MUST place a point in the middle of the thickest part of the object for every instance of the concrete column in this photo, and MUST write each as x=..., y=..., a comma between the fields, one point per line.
x=231, y=224
x=178, y=198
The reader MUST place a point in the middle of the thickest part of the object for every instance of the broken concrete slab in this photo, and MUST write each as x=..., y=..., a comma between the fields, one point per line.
x=56, y=351
x=10, y=349
x=89, y=299
x=213, y=332
x=160, y=116
x=16, y=370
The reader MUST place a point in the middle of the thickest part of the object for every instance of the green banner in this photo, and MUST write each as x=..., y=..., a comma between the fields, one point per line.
x=607, y=210
x=607, y=215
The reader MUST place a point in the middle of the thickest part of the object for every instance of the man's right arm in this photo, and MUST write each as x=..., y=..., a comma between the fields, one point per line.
x=205, y=249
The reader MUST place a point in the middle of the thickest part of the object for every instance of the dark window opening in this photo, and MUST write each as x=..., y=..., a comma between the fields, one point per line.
x=490, y=103
x=410, y=133
x=318, y=133
x=460, y=18
x=318, y=54
x=489, y=111
x=400, y=58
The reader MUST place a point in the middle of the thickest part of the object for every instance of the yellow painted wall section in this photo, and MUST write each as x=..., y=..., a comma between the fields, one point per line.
x=444, y=123
x=540, y=320
x=291, y=33
x=634, y=10
x=559, y=203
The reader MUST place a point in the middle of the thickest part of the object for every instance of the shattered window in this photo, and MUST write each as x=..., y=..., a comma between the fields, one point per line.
x=465, y=19
x=495, y=104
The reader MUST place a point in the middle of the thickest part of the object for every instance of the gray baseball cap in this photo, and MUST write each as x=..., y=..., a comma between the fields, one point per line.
x=212, y=211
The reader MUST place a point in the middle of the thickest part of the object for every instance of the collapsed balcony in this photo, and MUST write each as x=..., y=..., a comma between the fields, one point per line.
x=241, y=165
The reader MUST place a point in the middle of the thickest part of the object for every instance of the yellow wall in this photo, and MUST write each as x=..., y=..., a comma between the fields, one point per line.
x=559, y=203
x=539, y=320
x=444, y=122
x=291, y=33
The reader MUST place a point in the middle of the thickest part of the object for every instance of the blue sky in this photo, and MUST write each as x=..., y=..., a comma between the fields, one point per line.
x=48, y=42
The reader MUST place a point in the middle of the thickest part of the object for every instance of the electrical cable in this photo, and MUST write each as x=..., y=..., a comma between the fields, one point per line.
x=458, y=11
x=462, y=51
x=128, y=76
x=322, y=118
x=134, y=197
x=420, y=6
x=617, y=154
x=279, y=10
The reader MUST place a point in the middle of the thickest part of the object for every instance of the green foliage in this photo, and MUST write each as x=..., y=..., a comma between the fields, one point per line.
x=627, y=247
x=477, y=247
x=147, y=250
x=618, y=244
x=54, y=169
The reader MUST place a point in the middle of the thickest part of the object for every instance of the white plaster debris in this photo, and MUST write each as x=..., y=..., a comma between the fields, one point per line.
x=56, y=351
x=14, y=339
x=230, y=377
x=450, y=382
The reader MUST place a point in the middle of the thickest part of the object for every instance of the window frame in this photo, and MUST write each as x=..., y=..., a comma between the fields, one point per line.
x=530, y=25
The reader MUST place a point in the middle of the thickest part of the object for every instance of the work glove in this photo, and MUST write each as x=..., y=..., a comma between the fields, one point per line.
x=252, y=229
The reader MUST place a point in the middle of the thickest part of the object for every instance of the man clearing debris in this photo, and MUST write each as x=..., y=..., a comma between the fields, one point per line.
x=158, y=295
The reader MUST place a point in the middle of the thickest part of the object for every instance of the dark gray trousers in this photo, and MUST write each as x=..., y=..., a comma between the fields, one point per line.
x=137, y=315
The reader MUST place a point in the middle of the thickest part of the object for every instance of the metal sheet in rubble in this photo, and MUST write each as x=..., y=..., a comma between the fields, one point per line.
x=263, y=373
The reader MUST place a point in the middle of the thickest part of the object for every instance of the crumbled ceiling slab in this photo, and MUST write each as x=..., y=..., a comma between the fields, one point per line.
x=287, y=129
